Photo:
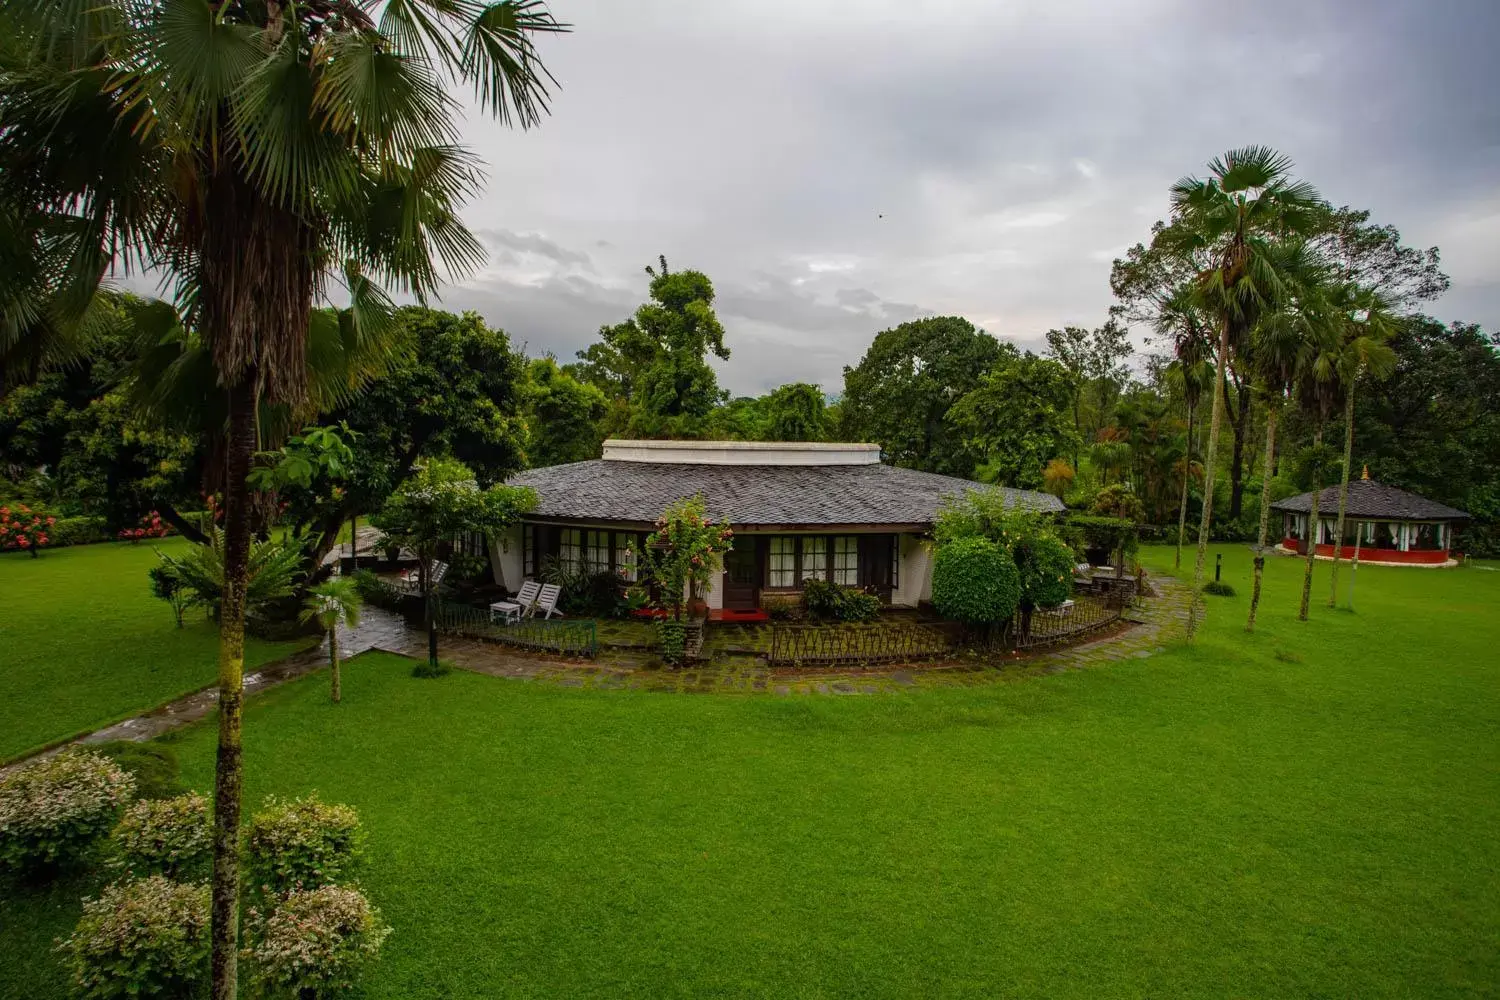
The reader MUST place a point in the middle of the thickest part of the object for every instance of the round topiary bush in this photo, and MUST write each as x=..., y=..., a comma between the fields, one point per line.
x=167, y=836
x=1045, y=565
x=1218, y=588
x=315, y=943
x=147, y=938
x=53, y=810
x=303, y=843
x=975, y=581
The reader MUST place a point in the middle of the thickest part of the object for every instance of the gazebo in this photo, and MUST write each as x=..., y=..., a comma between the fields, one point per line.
x=1392, y=525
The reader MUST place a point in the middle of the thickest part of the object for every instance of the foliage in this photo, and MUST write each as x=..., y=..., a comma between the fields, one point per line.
x=153, y=765
x=1317, y=466
x=334, y=603
x=25, y=528
x=1045, y=566
x=671, y=639
x=428, y=509
x=830, y=601
x=902, y=389
x=150, y=526
x=1113, y=534
x=1057, y=477
x=274, y=569
x=1119, y=502
x=794, y=412
x=584, y=593
x=171, y=837
x=1095, y=361
x=1016, y=418
x=301, y=842
x=562, y=415
x=144, y=938
x=429, y=669
x=52, y=810
x=684, y=552
x=974, y=581
x=315, y=943
x=167, y=586
x=781, y=607
x=318, y=452
x=79, y=531
x=1218, y=588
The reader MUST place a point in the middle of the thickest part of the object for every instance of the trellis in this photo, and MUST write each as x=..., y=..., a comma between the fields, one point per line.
x=880, y=642
x=566, y=636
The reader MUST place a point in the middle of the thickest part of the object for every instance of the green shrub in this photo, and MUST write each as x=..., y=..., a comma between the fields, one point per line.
x=781, y=608
x=376, y=591
x=671, y=638
x=1218, y=588
x=1117, y=501
x=315, y=943
x=975, y=581
x=1045, y=570
x=52, y=810
x=171, y=837
x=79, y=531
x=153, y=765
x=146, y=938
x=300, y=843
x=427, y=670
x=832, y=602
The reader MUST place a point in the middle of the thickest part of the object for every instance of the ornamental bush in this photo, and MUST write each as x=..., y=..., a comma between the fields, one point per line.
x=153, y=766
x=1045, y=569
x=671, y=638
x=167, y=836
x=25, y=528
x=315, y=943
x=79, y=531
x=146, y=938
x=975, y=581
x=53, y=810
x=302, y=843
x=827, y=600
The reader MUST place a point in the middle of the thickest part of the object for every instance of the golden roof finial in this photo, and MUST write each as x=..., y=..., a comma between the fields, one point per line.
x=1367, y=473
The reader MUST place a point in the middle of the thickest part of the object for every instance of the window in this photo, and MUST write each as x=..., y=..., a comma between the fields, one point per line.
x=846, y=560
x=781, y=570
x=814, y=558
x=570, y=548
x=625, y=556
x=528, y=550
x=895, y=562
x=596, y=552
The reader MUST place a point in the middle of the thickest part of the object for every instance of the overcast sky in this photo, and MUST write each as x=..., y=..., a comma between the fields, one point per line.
x=837, y=168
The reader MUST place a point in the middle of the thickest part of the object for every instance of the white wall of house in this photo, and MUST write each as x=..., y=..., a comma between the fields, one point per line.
x=741, y=452
x=505, y=557
x=915, y=572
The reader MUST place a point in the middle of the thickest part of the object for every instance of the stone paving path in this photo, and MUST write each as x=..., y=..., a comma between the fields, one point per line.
x=1147, y=630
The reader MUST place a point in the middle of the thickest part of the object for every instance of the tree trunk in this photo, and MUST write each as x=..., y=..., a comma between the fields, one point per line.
x=1312, y=531
x=1215, y=423
x=1354, y=566
x=1338, y=538
x=1239, y=429
x=431, y=622
x=224, y=933
x=1187, y=475
x=1265, y=514
x=333, y=661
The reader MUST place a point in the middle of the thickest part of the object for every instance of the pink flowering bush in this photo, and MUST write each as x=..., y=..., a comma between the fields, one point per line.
x=684, y=552
x=52, y=810
x=147, y=938
x=315, y=943
x=150, y=526
x=302, y=843
x=169, y=836
x=25, y=528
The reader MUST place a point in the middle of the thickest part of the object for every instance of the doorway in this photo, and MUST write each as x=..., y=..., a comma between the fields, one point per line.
x=741, y=578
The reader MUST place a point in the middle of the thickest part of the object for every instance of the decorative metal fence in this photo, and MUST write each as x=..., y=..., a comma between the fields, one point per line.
x=875, y=643
x=567, y=636
x=1084, y=613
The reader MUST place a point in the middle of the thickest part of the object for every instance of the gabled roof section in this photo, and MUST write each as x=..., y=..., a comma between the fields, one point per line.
x=1369, y=499
x=750, y=496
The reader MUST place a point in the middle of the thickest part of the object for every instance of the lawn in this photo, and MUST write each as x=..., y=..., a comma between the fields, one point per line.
x=83, y=643
x=1309, y=811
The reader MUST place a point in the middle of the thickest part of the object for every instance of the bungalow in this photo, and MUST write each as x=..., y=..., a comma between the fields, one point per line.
x=799, y=512
x=1392, y=525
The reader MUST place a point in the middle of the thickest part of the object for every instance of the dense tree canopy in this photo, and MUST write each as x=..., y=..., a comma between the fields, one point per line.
x=1017, y=418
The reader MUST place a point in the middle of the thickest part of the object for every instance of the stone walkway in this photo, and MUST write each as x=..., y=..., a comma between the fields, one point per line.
x=1147, y=630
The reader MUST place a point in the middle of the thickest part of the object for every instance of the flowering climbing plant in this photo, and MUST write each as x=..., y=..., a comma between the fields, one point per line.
x=25, y=528
x=684, y=552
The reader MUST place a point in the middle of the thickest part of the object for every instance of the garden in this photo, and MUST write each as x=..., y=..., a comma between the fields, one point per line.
x=1259, y=814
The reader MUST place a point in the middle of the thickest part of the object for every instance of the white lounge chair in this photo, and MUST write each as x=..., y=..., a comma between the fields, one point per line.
x=410, y=583
x=511, y=611
x=546, y=601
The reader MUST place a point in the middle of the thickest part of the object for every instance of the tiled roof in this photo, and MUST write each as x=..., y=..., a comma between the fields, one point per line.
x=1367, y=498
x=752, y=495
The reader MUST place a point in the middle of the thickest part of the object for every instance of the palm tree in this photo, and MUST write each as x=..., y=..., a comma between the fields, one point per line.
x=1367, y=325
x=1282, y=344
x=252, y=154
x=1178, y=318
x=1318, y=394
x=1229, y=218
x=333, y=603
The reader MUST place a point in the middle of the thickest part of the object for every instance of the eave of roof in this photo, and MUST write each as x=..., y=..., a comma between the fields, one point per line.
x=1371, y=499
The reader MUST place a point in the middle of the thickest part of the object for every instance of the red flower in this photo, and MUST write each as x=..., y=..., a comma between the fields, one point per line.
x=22, y=541
x=5, y=511
x=41, y=539
x=51, y=521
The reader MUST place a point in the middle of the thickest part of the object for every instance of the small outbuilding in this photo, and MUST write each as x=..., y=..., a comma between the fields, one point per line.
x=1390, y=525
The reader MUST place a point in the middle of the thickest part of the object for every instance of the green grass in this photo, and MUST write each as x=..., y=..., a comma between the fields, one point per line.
x=1305, y=812
x=84, y=644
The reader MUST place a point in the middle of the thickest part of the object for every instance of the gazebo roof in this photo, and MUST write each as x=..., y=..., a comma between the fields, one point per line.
x=1369, y=499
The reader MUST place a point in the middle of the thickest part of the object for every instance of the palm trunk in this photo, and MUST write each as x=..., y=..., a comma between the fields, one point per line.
x=333, y=661
x=224, y=933
x=1187, y=475
x=1338, y=537
x=431, y=618
x=1265, y=514
x=1312, y=541
x=1354, y=566
x=1214, y=424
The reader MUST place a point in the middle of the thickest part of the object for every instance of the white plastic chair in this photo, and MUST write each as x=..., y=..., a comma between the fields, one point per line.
x=511, y=610
x=546, y=601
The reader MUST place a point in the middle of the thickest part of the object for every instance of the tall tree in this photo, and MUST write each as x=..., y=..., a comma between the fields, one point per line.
x=562, y=415
x=900, y=392
x=1017, y=419
x=794, y=412
x=1218, y=241
x=1366, y=324
x=253, y=153
x=1179, y=319
x=1096, y=361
